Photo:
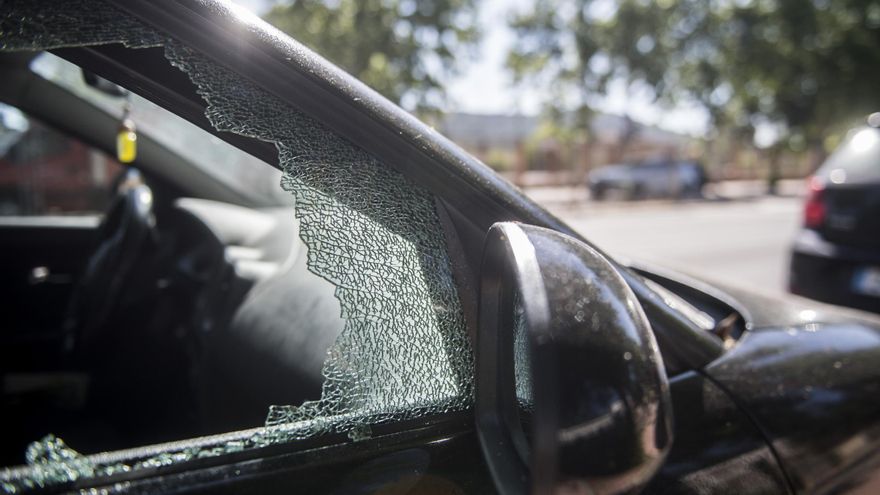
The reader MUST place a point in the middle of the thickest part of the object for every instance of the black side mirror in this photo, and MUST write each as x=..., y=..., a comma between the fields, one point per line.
x=571, y=394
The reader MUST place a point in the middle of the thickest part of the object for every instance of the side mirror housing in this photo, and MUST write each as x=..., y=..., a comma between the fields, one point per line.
x=571, y=394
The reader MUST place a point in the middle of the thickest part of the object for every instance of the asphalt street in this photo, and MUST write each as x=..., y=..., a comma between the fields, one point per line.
x=742, y=241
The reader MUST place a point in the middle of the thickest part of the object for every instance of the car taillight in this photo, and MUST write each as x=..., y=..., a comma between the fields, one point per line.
x=814, y=210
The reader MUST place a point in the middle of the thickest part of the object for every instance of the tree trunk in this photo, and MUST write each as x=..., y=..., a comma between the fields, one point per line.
x=773, y=171
x=816, y=157
x=583, y=161
x=521, y=164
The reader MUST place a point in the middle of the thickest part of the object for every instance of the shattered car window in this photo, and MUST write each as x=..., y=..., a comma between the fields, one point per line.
x=39, y=26
x=375, y=236
x=371, y=232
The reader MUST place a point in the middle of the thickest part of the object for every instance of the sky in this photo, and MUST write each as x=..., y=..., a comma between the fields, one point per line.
x=486, y=87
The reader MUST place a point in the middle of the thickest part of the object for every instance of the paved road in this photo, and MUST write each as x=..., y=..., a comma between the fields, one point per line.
x=743, y=242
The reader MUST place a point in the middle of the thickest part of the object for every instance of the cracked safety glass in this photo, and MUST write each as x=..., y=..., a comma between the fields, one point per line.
x=371, y=236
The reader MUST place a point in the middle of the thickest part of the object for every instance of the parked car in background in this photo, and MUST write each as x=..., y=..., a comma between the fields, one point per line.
x=648, y=179
x=836, y=255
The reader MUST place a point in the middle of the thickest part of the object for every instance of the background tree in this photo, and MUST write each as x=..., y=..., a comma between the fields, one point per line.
x=405, y=49
x=805, y=68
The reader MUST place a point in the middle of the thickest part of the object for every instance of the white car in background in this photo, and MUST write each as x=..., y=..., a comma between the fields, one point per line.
x=648, y=179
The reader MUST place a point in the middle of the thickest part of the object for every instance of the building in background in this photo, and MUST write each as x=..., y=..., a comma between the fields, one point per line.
x=533, y=150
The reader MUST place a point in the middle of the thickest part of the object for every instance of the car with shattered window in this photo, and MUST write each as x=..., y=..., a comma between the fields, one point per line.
x=262, y=277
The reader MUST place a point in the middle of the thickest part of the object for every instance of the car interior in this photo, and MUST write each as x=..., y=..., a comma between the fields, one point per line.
x=145, y=302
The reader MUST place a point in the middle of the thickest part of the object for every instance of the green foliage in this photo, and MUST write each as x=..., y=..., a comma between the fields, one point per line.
x=552, y=52
x=405, y=49
x=552, y=130
x=501, y=160
x=808, y=66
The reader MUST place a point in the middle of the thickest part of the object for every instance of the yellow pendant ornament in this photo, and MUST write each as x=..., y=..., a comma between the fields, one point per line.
x=126, y=139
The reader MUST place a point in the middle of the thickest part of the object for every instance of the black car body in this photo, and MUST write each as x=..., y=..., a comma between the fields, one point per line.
x=836, y=255
x=669, y=385
x=648, y=179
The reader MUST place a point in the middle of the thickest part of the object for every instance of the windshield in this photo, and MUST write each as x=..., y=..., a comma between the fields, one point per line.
x=245, y=174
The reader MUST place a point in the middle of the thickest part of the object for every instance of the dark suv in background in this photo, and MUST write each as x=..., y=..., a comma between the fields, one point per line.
x=836, y=255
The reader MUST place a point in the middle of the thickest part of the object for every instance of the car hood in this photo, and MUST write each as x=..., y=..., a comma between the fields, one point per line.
x=806, y=373
x=762, y=310
x=772, y=310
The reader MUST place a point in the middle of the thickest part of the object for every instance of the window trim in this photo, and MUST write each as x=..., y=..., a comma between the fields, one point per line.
x=327, y=449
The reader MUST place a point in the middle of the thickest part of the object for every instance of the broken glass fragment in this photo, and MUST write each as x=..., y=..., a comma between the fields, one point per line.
x=52, y=462
x=37, y=26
